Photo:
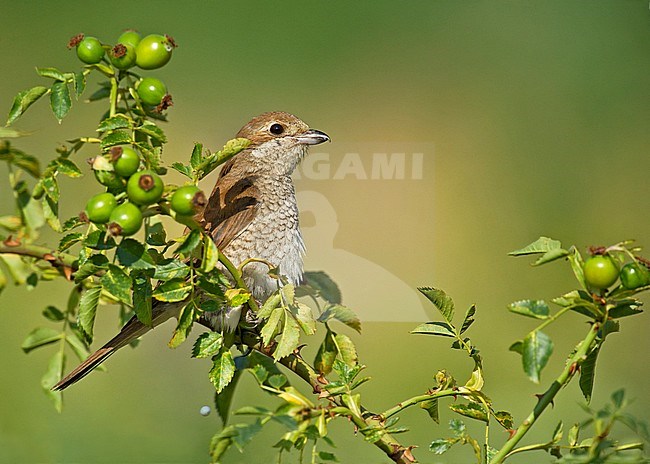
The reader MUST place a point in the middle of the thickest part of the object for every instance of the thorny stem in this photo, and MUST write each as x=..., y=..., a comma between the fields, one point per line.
x=56, y=258
x=416, y=400
x=572, y=365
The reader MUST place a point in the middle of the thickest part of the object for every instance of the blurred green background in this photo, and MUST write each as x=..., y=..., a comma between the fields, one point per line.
x=532, y=119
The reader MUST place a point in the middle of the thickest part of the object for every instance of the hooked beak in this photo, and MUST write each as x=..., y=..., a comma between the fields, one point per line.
x=313, y=137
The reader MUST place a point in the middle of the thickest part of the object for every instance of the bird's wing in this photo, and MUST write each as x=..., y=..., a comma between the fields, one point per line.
x=231, y=206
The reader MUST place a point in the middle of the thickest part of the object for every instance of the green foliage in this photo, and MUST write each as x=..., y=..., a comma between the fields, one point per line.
x=189, y=272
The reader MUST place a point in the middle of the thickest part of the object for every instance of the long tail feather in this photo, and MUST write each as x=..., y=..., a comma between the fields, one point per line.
x=131, y=331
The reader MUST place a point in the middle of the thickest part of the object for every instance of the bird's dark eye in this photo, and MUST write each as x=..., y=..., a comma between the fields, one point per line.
x=276, y=129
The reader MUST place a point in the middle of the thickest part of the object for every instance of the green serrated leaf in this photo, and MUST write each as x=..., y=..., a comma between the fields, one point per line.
x=223, y=369
x=173, y=290
x=171, y=268
x=87, y=309
x=197, y=155
x=155, y=233
x=431, y=407
x=347, y=350
x=142, y=294
x=541, y=245
x=116, y=137
x=537, y=309
x=68, y=168
x=190, y=243
x=79, y=83
x=183, y=169
x=24, y=100
x=441, y=445
x=536, y=351
x=53, y=314
x=133, y=255
x=116, y=122
x=153, y=131
x=184, y=326
x=471, y=410
x=326, y=354
x=207, y=345
x=305, y=317
x=40, y=337
x=223, y=400
x=588, y=373
x=288, y=339
x=92, y=266
x=52, y=73
x=342, y=314
x=70, y=239
x=435, y=328
x=441, y=301
x=51, y=213
x=469, y=319
x=60, y=100
x=53, y=375
x=210, y=254
x=117, y=283
x=270, y=328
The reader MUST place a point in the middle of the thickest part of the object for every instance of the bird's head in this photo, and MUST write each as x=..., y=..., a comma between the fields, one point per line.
x=279, y=141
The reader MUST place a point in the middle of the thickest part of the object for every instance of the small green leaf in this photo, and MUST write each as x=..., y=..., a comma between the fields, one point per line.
x=190, y=243
x=100, y=240
x=117, y=137
x=70, y=239
x=549, y=248
x=326, y=354
x=270, y=328
x=517, y=347
x=183, y=169
x=17, y=267
x=78, y=346
x=173, y=290
x=68, y=168
x=156, y=234
x=117, y=283
x=305, y=317
x=347, y=350
x=441, y=445
x=342, y=314
x=40, y=337
x=431, y=407
x=184, y=326
x=116, y=122
x=53, y=375
x=223, y=400
x=469, y=319
x=223, y=369
x=288, y=339
x=52, y=73
x=197, y=155
x=87, y=309
x=171, y=268
x=18, y=158
x=24, y=100
x=103, y=92
x=471, y=410
x=132, y=254
x=435, y=328
x=153, y=131
x=60, y=100
x=441, y=301
x=53, y=314
x=537, y=349
x=207, y=345
x=142, y=294
x=210, y=254
x=588, y=373
x=531, y=308
x=79, y=83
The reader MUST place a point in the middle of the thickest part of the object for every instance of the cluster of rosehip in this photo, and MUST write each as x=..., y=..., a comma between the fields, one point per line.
x=150, y=52
x=602, y=271
x=132, y=189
